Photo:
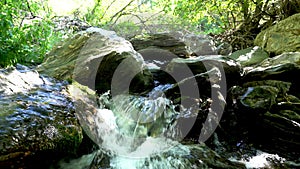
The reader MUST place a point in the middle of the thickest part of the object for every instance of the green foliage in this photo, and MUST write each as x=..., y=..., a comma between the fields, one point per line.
x=24, y=37
x=212, y=16
x=215, y=16
x=27, y=26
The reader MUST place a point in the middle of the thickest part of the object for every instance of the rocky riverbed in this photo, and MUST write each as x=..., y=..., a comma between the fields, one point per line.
x=244, y=105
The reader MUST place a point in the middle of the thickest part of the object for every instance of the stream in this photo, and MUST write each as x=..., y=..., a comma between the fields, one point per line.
x=135, y=132
x=135, y=128
x=97, y=103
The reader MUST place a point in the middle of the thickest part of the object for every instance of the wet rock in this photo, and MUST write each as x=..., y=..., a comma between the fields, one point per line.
x=281, y=86
x=37, y=121
x=142, y=122
x=246, y=103
x=180, y=156
x=180, y=44
x=267, y=115
x=86, y=106
x=166, y=41
x=19, y=80
x=259, y=97
x=181, y=68
x=95, y=58
x=200, y=90
x=280, y=132
x=159, y=49
x=255, y=98
x=289, y=57
x=156, y=60
x=200, y=45
x=134, y=115
x=284, y=67
x=156, y=56
x=282, y=37
x=250, y=56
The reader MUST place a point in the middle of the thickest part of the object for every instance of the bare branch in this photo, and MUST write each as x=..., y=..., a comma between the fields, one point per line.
x=121, y=11
x=29, y=9
x=107, y=9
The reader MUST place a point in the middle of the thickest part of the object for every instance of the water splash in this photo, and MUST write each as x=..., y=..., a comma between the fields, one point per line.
x=139, y=131
x=136, y=126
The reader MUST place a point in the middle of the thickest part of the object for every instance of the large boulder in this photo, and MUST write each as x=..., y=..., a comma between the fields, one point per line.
x=158, y=50
x=95, y=58
x=282, y=37
x=284, y=67
x=265, y=113
x=250, y=56
x=180, y=44
x=183, y=68
x=167, y=41
x=199, y=45
x=37, y=120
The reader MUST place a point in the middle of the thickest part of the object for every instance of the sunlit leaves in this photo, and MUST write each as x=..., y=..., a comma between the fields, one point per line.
x=213, y=16
x=21, y=41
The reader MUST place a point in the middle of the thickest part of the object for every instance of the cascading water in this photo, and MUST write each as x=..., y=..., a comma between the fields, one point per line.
x=140, y=127
x=135, y=131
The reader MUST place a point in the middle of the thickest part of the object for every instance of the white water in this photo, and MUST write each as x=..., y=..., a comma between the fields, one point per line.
x=136, y=126
x=134, y=129
x=260, y=160
x=139, y=132
x=131, y=130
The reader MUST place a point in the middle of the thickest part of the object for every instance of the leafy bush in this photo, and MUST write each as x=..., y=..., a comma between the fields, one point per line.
x=24, y=38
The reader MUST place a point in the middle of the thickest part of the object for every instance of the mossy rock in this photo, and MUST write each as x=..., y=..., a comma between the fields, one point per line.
x=282, y=37
x=37, y=125
x=284, y=67
x=94, y=58
x=250, y=56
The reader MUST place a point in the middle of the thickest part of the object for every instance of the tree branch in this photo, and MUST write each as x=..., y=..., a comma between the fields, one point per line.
x=29, y=8
x=107, y=9
x=95, y=7
x=120, y=11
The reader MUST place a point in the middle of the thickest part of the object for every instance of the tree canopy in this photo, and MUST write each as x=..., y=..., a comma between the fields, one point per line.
x=29, y=28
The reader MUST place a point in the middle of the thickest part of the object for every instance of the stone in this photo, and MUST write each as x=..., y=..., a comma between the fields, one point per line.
x=280, y=131
x=95, y=58
x=156, y=60
x=281, y=67
x=200, y=45
x=159, y=49
x=282, y=37
x=180, y=44
x=224, y=49
x=250, y=56
x=184, y=68
x=37, y=119
x=267, y=115
x=281, y=86
x=18, y=80
x=166, y=41
x=285, y=58
x=260, y=97
x=284, y=67
x=179, y=156
x=85, y=102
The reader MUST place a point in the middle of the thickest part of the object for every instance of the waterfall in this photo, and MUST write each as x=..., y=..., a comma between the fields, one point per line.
x=139, y=126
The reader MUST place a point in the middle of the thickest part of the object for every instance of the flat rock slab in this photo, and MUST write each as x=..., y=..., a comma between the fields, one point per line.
x=37, y=119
